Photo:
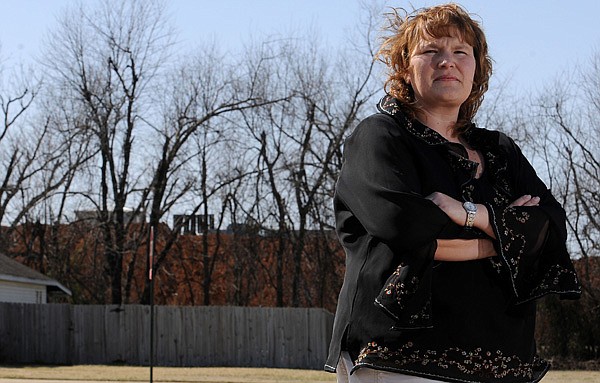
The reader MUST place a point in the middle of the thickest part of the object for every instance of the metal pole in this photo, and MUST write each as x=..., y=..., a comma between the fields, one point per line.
x=151, y=279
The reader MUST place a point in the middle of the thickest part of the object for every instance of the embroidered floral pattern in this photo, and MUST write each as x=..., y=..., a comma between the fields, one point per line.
x=497, y=169
x=400, y=288
x=516, y=240
x=496, y=264
x=555, y=277
x=390, y=106
x=421, y=316
x=477, y=362
x=468, y=193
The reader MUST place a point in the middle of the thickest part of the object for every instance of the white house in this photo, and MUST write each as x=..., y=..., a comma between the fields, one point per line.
x=19, y=283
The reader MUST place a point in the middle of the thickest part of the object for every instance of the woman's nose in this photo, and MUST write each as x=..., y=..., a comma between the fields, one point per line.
x=445, y=60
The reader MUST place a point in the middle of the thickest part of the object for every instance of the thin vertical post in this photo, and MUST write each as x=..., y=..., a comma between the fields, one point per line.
x=151, y=280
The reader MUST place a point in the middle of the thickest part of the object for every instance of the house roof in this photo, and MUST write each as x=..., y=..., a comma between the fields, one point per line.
x=13, y=271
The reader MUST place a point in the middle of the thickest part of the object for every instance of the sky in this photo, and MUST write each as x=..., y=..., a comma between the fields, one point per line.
x=532, y=42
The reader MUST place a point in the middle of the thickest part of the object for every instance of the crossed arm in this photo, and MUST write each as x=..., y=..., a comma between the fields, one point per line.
x=469, y=249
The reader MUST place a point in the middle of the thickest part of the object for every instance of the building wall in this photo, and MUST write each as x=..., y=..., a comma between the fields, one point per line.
x=17, y=292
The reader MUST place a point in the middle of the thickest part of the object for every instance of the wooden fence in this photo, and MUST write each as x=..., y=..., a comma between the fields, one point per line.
x=184, y=336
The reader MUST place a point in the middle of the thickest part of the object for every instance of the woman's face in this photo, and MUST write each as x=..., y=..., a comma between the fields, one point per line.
x=441, y=72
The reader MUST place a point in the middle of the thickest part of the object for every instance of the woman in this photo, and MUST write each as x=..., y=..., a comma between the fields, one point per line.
x=450, y=236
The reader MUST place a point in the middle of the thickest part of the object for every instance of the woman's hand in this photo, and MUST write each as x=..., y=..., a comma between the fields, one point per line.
x=453, y=208
x=526, y=200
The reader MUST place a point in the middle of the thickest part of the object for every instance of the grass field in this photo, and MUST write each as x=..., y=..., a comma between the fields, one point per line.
x=214, y=374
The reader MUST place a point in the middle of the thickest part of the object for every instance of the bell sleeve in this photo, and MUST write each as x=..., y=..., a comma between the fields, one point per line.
x=531, y=240
x=379, y=185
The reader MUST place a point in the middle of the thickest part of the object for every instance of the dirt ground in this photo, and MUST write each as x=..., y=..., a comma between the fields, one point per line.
x=97, y=374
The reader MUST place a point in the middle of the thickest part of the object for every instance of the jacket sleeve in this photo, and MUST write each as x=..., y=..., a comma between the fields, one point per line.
x=531, y=241
x=380, y=187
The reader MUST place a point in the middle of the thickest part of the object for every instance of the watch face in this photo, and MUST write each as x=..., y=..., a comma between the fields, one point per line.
x=470, y=206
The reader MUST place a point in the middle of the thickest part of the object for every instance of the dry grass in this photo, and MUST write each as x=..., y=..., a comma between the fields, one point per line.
x=214, y=374
x=165, y=374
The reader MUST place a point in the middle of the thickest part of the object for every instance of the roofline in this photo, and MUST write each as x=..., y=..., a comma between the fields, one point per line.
x=48, y=283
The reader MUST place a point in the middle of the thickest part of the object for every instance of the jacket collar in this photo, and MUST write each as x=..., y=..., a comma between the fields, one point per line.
x=391, y=106
x=487, y=141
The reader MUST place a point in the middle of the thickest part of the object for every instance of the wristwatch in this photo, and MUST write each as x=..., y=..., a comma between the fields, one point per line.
x=471, y=210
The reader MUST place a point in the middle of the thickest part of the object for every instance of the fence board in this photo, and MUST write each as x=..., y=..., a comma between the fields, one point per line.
x=184, y=336
x=35, y=332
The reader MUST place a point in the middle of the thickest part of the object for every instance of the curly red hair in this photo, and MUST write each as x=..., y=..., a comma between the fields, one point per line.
x=408, y=30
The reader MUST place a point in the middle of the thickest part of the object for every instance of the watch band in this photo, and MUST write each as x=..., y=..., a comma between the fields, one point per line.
x=470, y=219
x=471, y=210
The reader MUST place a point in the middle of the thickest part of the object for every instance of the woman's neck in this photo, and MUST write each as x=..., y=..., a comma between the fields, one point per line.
x=443, y=123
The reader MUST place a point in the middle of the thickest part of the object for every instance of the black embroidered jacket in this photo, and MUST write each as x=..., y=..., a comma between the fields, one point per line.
x=402, y=311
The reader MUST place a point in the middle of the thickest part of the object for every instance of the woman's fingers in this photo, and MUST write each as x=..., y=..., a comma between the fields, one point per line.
x=453, y=208
x=435, y=196
x=443, y=201
x=526, y=200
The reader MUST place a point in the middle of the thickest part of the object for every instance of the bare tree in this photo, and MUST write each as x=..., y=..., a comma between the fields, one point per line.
x=13, y=155
x=104, y=60
x=192, y=169
x=297, y=148
x=37, y=164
